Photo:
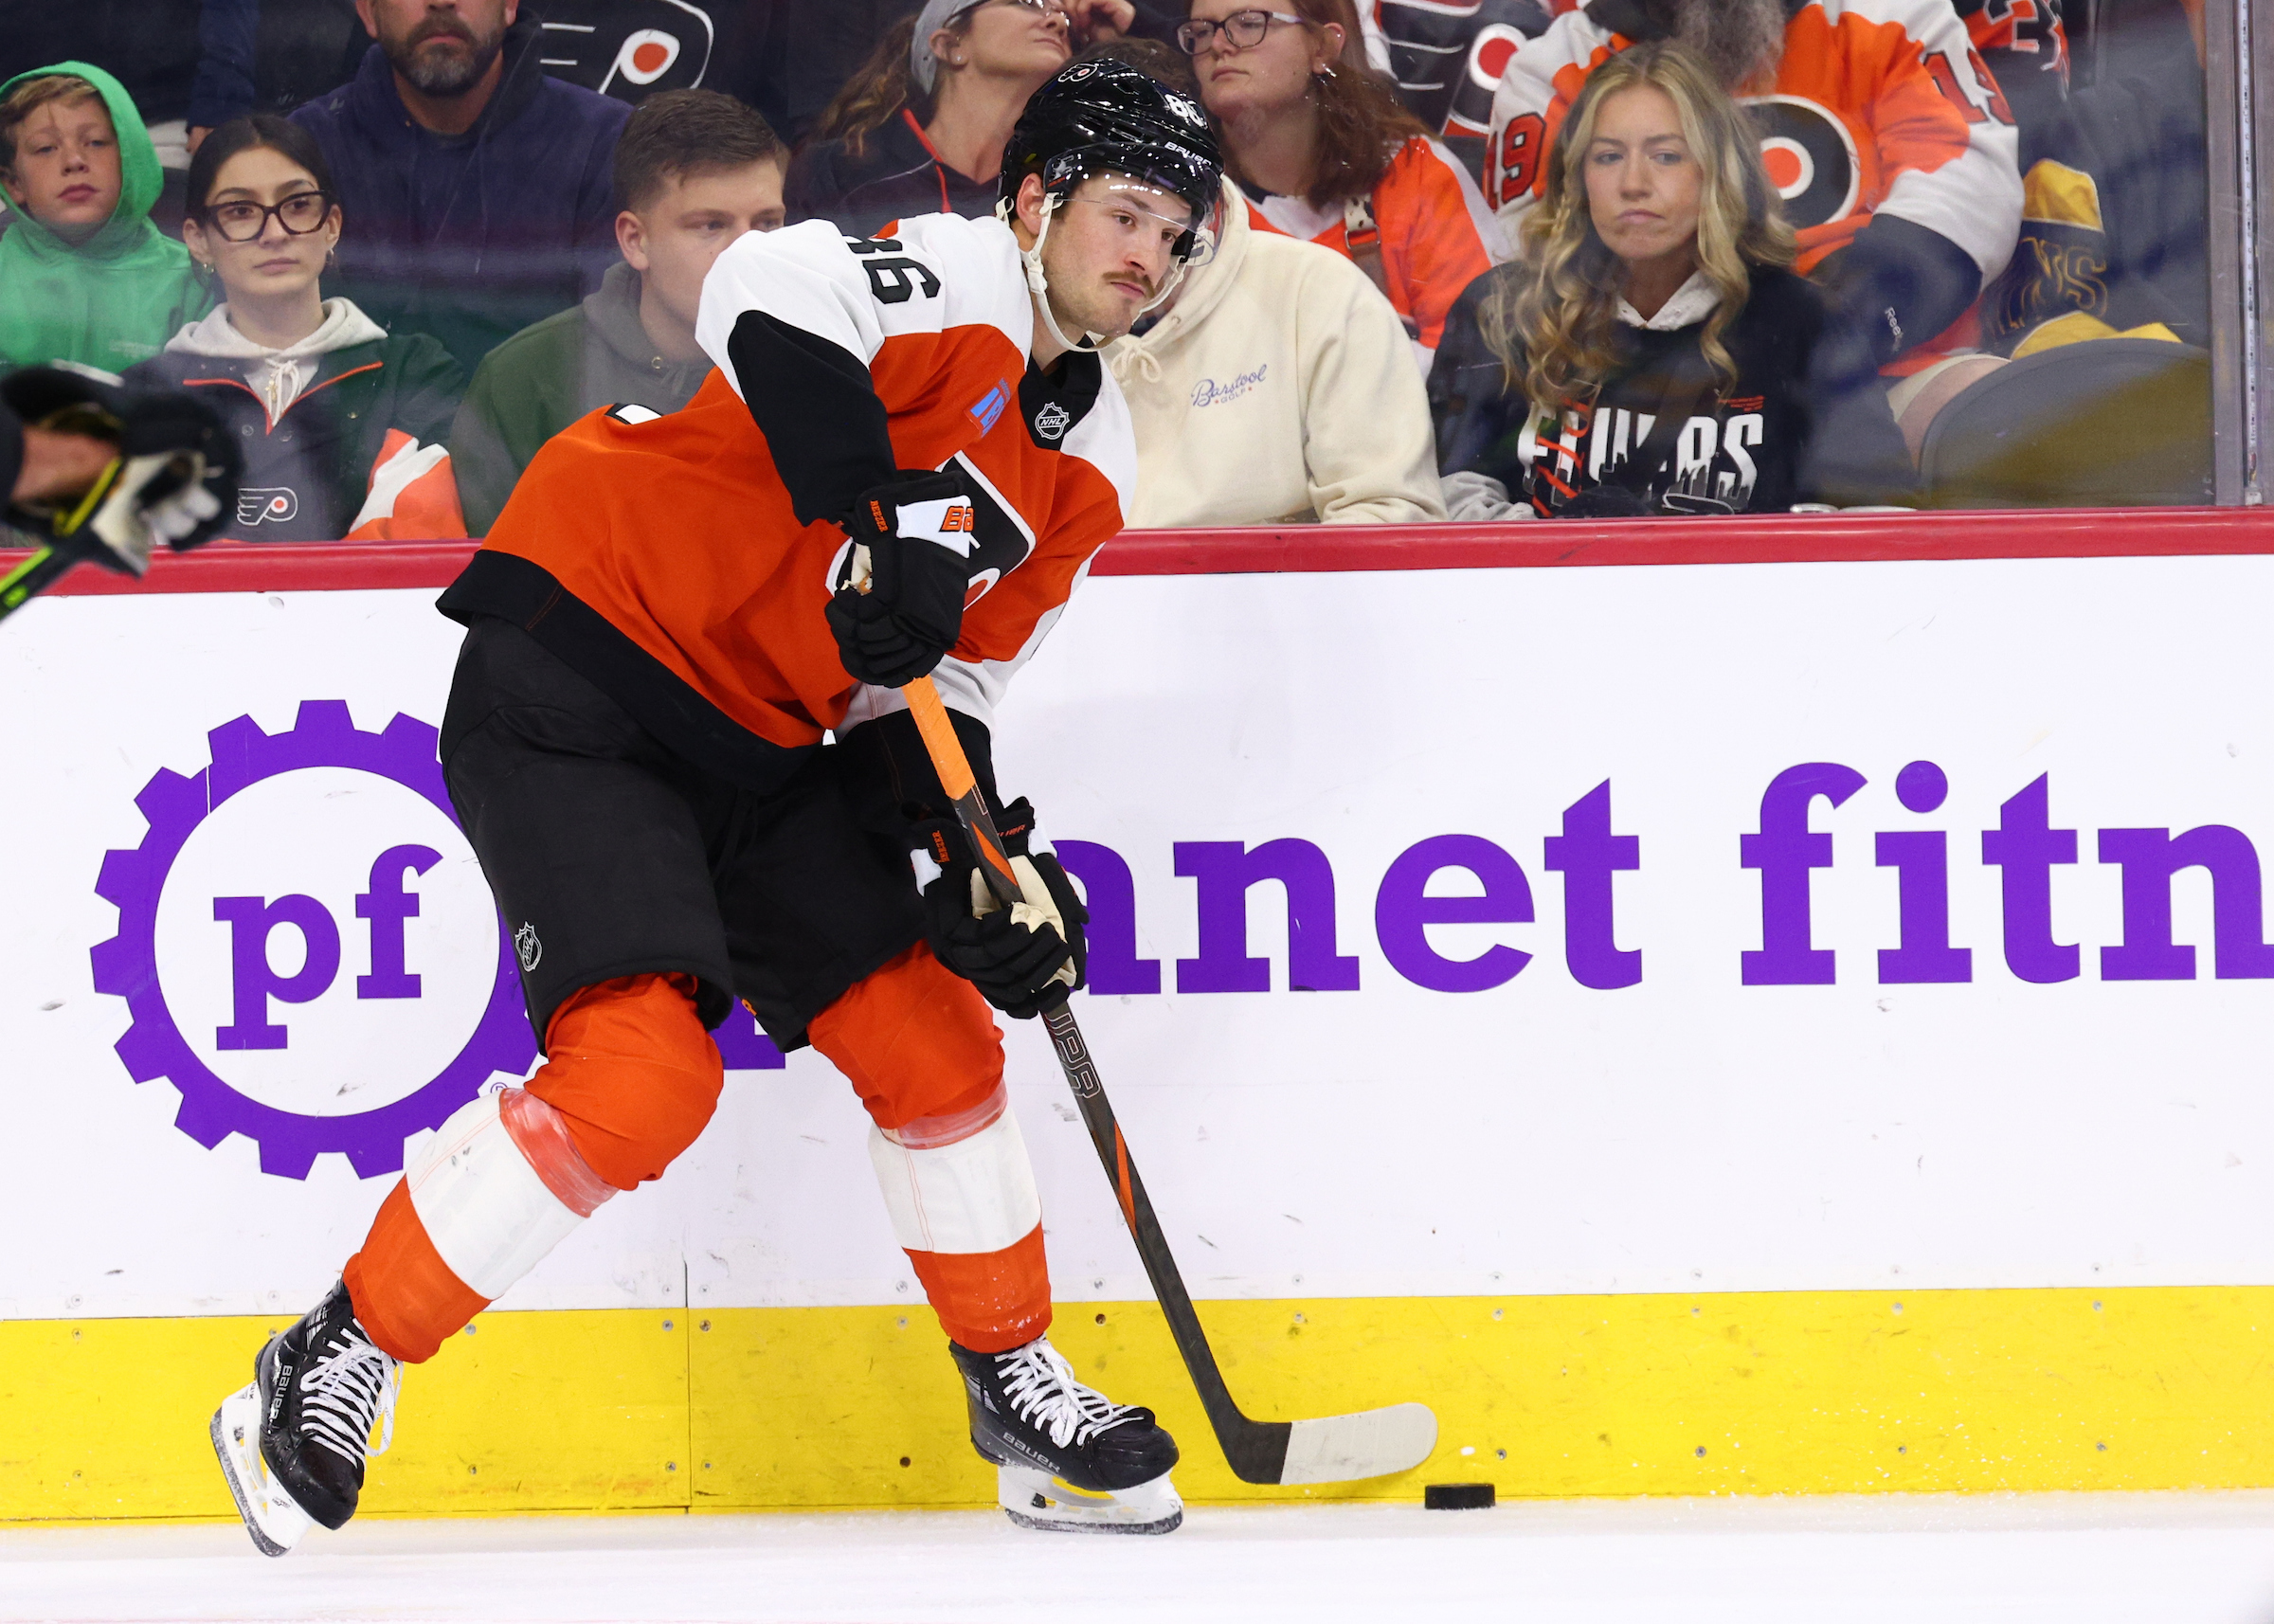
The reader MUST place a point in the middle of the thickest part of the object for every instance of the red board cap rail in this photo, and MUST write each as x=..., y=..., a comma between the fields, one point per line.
x=1799, y=538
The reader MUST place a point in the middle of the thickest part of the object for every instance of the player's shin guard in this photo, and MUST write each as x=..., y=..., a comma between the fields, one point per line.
x=499, y=1186
x=632, y=1079
x=961, y=1193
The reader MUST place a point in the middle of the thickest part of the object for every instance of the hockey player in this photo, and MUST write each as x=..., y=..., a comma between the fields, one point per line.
x=903, y=465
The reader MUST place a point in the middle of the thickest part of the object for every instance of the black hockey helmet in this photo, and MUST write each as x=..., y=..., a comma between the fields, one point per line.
x=1102, y=116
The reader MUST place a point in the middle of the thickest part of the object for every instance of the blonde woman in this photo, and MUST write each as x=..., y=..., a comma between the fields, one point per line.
x=1652, y=350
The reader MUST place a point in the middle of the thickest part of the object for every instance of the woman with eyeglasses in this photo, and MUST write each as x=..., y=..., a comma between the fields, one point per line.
x=1323, y=151
x=342, y=425
x=921, y=128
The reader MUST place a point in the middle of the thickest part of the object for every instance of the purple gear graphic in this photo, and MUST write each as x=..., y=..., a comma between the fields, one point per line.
x=126, y=965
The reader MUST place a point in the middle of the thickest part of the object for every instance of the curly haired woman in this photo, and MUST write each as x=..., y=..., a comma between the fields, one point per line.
x=1651, y=351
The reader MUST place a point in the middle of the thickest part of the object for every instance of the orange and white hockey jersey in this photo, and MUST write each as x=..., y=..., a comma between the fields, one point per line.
x=1879, y=107
x=1435, y=233
x=683, y=563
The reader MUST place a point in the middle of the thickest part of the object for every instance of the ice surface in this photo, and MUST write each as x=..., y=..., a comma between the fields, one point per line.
x=2141, y=1559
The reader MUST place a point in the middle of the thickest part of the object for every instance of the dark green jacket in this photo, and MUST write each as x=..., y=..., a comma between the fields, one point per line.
x=307, y=473
x=547, y=375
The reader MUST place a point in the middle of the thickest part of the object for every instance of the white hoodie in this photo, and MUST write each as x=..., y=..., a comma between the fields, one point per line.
x=278, y=376
x=1279, y=388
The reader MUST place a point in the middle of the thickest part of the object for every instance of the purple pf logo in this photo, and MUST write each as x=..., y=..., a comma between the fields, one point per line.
x=306, y=946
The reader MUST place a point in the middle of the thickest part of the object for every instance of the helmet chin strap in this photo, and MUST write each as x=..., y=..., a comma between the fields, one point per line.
x=1037, y=279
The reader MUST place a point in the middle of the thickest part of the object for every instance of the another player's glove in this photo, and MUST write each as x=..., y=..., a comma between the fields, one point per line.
x=1021, y=959
x=899, y=603
x=175, y=478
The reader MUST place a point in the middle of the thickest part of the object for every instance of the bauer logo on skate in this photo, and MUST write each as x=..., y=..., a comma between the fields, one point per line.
x=306, y=947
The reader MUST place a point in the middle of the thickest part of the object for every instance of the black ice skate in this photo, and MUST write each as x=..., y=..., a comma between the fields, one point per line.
x=292, y=1443
x=1068, y=1457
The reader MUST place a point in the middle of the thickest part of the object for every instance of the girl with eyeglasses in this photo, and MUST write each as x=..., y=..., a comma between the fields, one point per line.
x=342, y=425
x=921, y=128
x=1323, y=151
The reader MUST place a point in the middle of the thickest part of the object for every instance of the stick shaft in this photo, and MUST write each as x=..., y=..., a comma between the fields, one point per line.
x=1255, y=1458
x=1256, y=1451
x=34, y=576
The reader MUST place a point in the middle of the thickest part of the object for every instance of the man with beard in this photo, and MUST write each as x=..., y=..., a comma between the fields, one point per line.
x=475, y=189
x=1884, y=134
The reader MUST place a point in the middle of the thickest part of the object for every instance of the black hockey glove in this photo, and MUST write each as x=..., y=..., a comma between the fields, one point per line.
x=175, y=478
x=1021, y=959
x=899, y=603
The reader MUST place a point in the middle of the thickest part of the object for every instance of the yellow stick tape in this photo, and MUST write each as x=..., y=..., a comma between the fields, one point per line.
x=742, y=1409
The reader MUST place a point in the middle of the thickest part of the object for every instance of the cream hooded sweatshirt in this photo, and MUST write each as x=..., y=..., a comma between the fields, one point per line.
x=1279, y=388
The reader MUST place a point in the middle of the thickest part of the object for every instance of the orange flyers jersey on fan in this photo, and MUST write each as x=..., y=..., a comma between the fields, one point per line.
x=706, y=539
x=1877, y=105
x=1436, y=234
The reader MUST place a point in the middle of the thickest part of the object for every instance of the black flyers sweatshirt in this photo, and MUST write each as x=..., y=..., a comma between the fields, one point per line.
x=1805, y=420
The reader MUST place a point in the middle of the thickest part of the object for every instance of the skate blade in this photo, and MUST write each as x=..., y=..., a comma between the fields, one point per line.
x=272, y=1516
x=1036, y=1500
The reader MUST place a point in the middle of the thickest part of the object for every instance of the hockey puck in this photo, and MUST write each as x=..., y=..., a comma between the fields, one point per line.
x=1457, y=1496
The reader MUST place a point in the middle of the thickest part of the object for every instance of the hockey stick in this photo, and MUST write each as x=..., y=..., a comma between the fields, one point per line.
x=42, y=569
x=1329, y=1449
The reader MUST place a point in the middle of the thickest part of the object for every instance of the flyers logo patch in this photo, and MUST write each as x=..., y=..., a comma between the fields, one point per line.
x=267, y=504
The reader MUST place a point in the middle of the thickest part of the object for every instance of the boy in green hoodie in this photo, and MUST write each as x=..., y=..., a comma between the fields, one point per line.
x=83, y=274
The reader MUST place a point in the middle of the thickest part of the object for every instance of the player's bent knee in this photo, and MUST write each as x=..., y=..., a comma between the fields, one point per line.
x=916, y=1039
x=633, y=1075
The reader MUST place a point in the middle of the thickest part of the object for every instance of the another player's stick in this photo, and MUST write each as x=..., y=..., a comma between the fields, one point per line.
x=42, y=569
x=1330, y=1449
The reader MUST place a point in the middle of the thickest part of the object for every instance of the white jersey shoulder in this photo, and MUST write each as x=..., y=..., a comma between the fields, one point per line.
x=937, y=272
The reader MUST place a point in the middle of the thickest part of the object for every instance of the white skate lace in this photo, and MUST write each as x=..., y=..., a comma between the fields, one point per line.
x=1043, y=1393
x=347, y=1390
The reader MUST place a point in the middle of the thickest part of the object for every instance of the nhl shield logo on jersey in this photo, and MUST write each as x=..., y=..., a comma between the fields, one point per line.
x=306, y=947
x=1049, y=423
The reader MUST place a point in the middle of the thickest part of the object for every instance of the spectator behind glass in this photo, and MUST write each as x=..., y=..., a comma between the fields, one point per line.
x=1894, y=151
x=269, y=56
x=1278, y=388
x=819, y=49
x=1326, y=152
x=1446, y=60
x=83, y=274
x=1652, y=352
x=150, y=49
x=921, y=128
x=341, y=426
x=2116, y=229
x=694, y=170
x=479, y=187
